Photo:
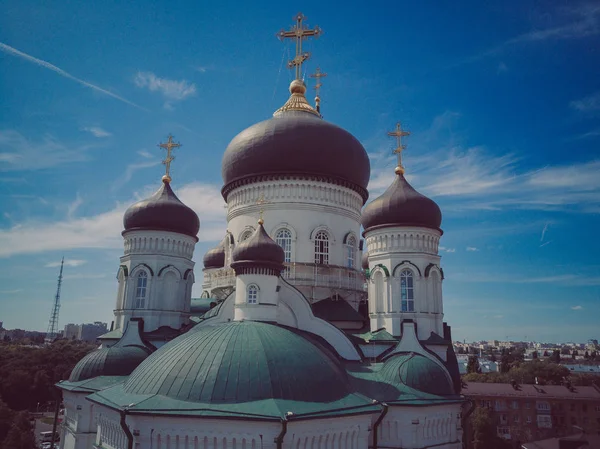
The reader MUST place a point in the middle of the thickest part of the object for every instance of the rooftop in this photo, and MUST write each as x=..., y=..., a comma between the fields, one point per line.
x=531, y=391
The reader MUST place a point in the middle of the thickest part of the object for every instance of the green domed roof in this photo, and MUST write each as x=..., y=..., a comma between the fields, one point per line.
x=114, y=361
x=240, y=362
x=418, y=372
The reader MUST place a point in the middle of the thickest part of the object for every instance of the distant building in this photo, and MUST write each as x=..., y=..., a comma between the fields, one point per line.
x=72, y=331
x=533, y=412
x=90, y=332
x=583, y=369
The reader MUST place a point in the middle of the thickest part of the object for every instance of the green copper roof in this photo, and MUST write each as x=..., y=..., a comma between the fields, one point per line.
x=238, y=362
x=91, y=385
x=239, y=369
x=199, y=306
x=418, y=372
x=114, y=361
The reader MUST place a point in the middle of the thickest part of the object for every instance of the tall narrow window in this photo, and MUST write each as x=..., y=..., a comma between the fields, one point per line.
x=252, y=294
x=140, y=291
x=284, y=239
x=407, y=293
x=322, y=248
x=350, y=251
x=379, y=300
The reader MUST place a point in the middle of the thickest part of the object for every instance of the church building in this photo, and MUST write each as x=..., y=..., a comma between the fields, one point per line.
x=321, y=319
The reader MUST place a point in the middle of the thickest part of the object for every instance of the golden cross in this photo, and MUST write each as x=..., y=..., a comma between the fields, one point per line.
x=399, y=133
x=261, y=202
x=318, y=75
x=299, y=32
x=169, y=146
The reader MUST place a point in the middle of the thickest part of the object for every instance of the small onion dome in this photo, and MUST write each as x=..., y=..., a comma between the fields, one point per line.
x=258, y=251
x=163, y=211
x=113, y=361
x=296, y=142
x=401, y=205
x=215, y=258
x=418, y=372
x=365, y=260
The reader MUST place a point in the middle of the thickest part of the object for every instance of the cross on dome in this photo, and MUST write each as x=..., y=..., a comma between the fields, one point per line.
x=169, y=146
x=299, y=32
x=318, y=75
x=261, y=201
x=399, y=133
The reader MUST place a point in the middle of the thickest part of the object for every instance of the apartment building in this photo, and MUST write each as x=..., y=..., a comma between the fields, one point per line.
x=533, y=412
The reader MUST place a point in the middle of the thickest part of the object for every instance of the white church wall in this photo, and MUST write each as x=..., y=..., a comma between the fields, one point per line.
x=165, y=259
x=350, y=432
x=265, y=307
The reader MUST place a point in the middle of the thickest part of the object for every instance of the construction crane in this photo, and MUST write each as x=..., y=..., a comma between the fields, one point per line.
x=52, y=331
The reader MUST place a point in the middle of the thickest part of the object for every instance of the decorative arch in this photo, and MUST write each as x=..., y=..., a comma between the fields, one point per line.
x=246, y=233
x=404, y=264
x=285, y=236
x=141, y=267
x=122, y=269
x=252, y=294
x=347, y=237
x=284, y=225
x=325, y=228
x=170, y=268
x=383, y=268
x=229, y=238
x=187, y=273
x=435, y=268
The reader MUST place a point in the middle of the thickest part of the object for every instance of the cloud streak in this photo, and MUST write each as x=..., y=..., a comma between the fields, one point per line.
x=103, y=229
x=171, y=90
x=97, y=131
x=587, y=104
x=68, y=263
x=14, y=52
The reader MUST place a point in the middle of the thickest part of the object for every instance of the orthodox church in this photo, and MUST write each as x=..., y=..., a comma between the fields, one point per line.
x=308, y=334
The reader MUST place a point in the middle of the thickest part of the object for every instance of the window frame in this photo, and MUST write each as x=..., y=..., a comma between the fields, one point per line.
x=288, y=239
x=407, y=292
x=141, y=291
x=321, y=247
x=350, y=252
x=252, y=294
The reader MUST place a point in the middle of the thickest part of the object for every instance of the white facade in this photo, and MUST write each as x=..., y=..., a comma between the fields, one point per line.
x=317, y=223
x=405, y=279
x=155, y=279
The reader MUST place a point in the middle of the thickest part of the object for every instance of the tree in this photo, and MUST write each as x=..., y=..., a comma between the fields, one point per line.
x=461, y=350
x=586, y=355
x=484, y=430
x=534, y=355
x=505, y=363
x=473, y=365
x=555, y=356
x=565, y=350
x=20, y=435
x=546, y=354
x=6, y=418
x=574, y=354
x=493, y=357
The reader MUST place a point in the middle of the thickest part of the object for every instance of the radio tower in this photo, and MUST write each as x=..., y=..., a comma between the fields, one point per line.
x=52, y=332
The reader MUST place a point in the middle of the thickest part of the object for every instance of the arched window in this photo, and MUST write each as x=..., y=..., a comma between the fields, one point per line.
x=379, y=300
x=407, y=292
x=322, y=248
x=284, y=239
x=246, y=234
x=252, y=294
x=140, y=291
x=350, y=251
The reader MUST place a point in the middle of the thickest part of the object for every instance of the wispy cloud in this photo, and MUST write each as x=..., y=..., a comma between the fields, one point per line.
x=11, y=292
x=576, y=308
x=19, y=153
x=130, y=171
x=474, y=178
x=146, y=154
x=587, y=104
x=447, y=250
x=97, y=131
x=544, y=232
x=570, y=280
x=13, y=51
x=74, y=206
x=103, y=229
x=472, y=248
x=68, y=263
x=171, y=90
x=84, y=276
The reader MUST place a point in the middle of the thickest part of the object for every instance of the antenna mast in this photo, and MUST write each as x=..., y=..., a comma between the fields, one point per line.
x=52, y=332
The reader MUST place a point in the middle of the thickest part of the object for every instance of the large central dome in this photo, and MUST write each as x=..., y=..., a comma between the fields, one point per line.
x=296, y=142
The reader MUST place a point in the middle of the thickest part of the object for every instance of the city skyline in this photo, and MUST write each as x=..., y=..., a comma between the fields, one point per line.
x=502, y=106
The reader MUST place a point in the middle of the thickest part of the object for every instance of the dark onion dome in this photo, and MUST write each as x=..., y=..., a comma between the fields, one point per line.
x=215, y=257
x=296, y=142
x=418, y=372
x=258, y=251
x=163, y=211
x=365, y=260
x=237, y=362
x=113, y=361
x=401, y=205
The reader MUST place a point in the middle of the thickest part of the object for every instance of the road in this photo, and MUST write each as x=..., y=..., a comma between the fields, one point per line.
x=43, y=427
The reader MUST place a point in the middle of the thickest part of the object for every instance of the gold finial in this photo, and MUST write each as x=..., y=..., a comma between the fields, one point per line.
x=169, y=146
x=399, y=133
x=261, y=202
x=318, y=75
x=299, y=32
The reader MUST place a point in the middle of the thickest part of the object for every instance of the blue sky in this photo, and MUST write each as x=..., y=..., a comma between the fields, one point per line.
x=503, y=103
